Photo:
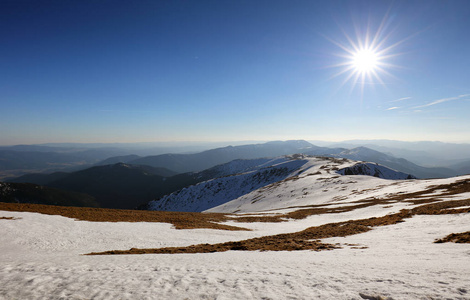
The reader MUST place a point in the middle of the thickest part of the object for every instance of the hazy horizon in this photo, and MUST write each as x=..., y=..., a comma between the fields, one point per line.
x=201, y=143
x=221, y=71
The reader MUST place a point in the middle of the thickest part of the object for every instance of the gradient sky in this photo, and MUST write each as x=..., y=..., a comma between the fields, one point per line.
x=136, y=71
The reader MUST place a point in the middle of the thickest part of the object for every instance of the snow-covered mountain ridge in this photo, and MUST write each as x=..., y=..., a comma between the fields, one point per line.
x=235, y=179
x=249, y=181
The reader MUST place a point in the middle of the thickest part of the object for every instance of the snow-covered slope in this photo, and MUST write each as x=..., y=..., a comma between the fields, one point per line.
x=205, y=195
x=251, y=181
x=375, y=170
x=319, y=181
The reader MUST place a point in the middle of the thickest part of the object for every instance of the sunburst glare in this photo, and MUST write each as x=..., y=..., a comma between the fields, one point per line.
x=365, y=57
x=365, y=60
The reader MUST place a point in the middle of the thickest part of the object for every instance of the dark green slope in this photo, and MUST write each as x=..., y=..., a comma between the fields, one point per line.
x=32, y=193
x=122, y=185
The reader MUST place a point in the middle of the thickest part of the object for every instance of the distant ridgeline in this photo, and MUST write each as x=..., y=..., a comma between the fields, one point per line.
x=131, y=181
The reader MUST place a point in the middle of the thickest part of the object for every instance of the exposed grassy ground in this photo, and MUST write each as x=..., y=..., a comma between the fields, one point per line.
x=7, y=218
x=181, y=220
x=463, y=237
x=307, y=239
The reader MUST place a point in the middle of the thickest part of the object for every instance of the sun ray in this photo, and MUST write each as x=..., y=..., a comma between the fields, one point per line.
x=366, y=54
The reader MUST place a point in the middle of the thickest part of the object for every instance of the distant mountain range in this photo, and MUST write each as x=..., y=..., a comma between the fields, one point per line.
x=200, y=161
x=462, y=167
x=399, y=164
x=424, y=153
x=19, y=160
x=118, y=159
x=128, y=181
x=128, y=185
x=207, y=159
x=24, y=159
x=443, y=159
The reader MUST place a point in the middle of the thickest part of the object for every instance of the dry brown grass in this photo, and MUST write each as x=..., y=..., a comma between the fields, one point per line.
x=310, y=210
x=307, y=239
x=375, y=297
x=181, y=220
x=247, y=245
x=458, y=187
x=463, y=237
x=420, y=197
x=443, y=208
x=8, y=218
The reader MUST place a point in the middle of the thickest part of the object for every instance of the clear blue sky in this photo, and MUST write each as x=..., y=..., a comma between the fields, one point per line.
x=135, y=71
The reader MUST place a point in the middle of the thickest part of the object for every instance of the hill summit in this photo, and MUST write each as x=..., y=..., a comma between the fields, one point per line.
x=292, y=180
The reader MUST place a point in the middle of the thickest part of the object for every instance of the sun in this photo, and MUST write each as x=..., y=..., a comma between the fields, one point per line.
x=366, y=55
x=365, y=61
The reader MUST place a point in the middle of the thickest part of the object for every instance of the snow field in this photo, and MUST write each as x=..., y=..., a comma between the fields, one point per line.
x=400, y=261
